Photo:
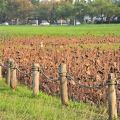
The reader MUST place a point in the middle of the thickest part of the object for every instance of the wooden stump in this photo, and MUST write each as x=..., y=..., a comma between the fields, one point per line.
x=13, y=76
x=112, y=102
x=0, y=72
x=63, y=83
x=8, y=72
x=35, y=78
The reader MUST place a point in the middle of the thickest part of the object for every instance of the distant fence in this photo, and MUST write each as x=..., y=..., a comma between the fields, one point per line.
x=11, y=80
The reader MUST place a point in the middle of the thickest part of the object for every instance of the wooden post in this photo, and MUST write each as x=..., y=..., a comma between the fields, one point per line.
x=112, y=103
x=13, y=76
x=118, y=107
x=63, y=83
x=8, y=72
x=0, y=72
x=35, y=78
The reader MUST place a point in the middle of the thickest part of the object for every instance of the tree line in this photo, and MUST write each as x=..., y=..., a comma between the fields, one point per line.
x=69, y=10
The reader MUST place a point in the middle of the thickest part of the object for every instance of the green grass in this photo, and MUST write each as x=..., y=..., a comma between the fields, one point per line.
x=99, y=30
x=21, y=105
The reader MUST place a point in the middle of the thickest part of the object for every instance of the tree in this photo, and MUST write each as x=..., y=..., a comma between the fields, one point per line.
x=103, y=8
x=18, y=9
x=42, y=11
x=64, y=11
x=80, y=10
x=35, y=2
x=3, y=10
x=117, y=2
x=53, y=11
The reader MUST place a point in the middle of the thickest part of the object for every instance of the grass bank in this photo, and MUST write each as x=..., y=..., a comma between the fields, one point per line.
x=21, y=105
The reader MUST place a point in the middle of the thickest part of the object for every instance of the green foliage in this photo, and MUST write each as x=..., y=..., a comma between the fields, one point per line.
x=43, y=11
x=64, y=10
x=80, y=10
x=21, y=8
x=53, y=11
x=104, y=7
x=21, y=105
x=3, y=10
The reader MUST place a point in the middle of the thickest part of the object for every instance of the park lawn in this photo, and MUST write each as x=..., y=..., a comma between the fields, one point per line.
x=21, y=105
x=98, y=30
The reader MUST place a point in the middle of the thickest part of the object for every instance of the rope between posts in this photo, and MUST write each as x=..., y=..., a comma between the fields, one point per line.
x=100, y=86
x=69, y=77
x=43, y=73
x=27, y=74
x=85, y=86
x=118, y=86
x=93, y=87
x=2, y=65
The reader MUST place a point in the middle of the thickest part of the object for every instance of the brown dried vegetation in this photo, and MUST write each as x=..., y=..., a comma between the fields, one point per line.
x=88, y=66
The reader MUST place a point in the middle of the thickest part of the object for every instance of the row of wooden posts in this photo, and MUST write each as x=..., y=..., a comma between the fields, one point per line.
x=11, y=79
